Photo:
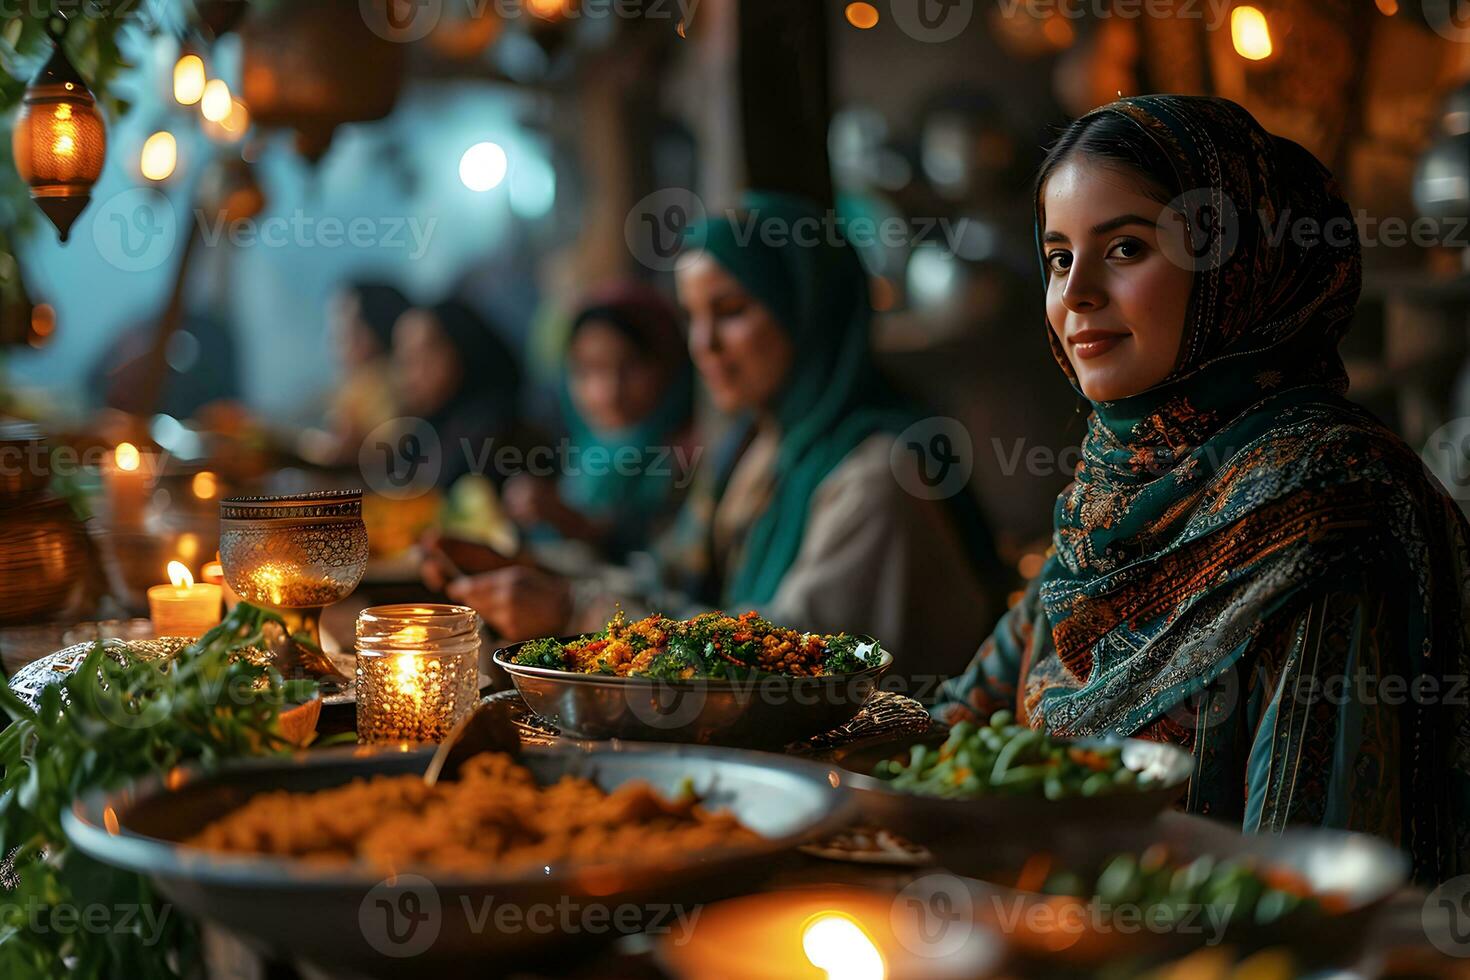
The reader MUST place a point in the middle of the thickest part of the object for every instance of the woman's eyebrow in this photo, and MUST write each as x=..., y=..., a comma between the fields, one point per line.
x=1112, y=224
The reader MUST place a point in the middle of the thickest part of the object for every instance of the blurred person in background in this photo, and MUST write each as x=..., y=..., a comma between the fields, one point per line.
x=360, y=321
x=627, y=392
x=804, y=515
x=451, y=369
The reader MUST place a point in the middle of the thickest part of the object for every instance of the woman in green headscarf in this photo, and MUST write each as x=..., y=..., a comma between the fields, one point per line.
x=627, y=401
x=814, y=512
x=1247, y=564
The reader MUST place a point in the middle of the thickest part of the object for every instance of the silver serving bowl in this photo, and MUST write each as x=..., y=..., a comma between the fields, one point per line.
x=29, y=680
x=1359, y=871
x=433, y=923
x=765, y=713
x=962, y=832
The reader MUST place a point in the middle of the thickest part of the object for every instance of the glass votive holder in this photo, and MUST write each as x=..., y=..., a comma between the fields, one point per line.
x=418, y=671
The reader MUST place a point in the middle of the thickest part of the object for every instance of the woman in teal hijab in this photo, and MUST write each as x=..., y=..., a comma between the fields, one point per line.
x=627, y=399
x=1247, y=564
x=831, y=398
x=814, y=511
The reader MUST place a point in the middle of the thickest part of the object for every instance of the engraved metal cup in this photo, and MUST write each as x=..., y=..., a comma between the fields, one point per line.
x=295, y=555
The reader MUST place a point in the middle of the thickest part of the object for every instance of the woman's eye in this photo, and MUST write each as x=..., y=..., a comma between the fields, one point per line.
x=1128, y=248
x=1059, y=262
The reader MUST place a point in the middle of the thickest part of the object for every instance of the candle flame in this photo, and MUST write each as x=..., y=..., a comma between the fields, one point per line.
x=408, y=678
x=126, y=456
x=179, y=575
x=836, y=944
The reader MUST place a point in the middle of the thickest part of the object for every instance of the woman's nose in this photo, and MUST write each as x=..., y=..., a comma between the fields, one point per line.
x=1084, y=292
x=701, y=335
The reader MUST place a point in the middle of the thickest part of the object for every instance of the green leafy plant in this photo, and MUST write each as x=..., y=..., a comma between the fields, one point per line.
x=105, y=724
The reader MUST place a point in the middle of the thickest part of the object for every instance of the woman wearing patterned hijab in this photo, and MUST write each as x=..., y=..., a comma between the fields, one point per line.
x=1247, y=564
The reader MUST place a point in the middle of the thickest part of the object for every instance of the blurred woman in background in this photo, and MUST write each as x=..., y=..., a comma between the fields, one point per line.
x=360, y=320
x=453, y=370
x=627, y=399
x=805, y=515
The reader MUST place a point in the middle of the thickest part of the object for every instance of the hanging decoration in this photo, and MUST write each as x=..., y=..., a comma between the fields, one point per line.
x=287, y=82
x=59, y=141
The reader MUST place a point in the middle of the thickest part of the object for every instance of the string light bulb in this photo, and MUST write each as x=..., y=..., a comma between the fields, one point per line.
x=189, y=80
x=160, y=156
x=216, y=104
x=1250, y=33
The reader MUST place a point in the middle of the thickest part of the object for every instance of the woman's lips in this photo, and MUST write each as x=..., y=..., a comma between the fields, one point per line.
x=1088, y=344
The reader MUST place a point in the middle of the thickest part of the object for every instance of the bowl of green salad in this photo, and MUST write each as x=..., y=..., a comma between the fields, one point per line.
x=712, y=679
x=951, y=791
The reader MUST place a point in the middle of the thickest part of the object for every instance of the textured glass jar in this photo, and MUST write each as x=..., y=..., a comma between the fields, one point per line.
x=418, y=671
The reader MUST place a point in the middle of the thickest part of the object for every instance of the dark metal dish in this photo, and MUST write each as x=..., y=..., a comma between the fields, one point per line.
x=961, y=832
x=1360, y=871
x=356, y=921
x=766, y=713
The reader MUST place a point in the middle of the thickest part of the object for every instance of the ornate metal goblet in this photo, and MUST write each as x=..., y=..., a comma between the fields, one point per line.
x=295, y=555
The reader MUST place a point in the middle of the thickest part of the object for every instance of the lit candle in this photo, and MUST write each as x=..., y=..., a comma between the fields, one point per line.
x=417, y=671
x=127, y=483
x=184, y=608
x=839, y=931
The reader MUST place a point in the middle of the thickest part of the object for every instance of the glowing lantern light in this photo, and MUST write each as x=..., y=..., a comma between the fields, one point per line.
x=160, y=156
x=863, y=16
x=547, y=9
x=206, y=485
x=1249, y=33
x=127, y=457
x=483, y=166
x=216, y=103
x=59, y=141
x=189, y=80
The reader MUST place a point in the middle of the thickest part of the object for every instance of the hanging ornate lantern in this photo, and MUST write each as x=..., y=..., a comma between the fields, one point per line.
x=288, y=83
x=59, y=139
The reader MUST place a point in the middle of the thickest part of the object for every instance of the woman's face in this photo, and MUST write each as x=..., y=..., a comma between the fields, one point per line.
x=1114, y=298
x=613, y=383
x=741, y=351
x=353, y=339
x=425, y=364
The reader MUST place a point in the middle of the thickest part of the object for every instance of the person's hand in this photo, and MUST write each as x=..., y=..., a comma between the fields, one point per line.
x=518, y=603
x=532, y=500
x=446, y=559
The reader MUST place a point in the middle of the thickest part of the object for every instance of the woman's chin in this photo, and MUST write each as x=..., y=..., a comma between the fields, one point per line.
x=1108, y=387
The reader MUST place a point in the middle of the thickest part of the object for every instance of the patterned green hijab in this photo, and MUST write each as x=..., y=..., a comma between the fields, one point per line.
x=1244, y=482
x=782, y=249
